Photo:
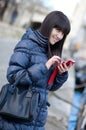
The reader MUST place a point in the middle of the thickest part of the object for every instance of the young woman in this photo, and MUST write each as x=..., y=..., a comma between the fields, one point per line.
x=37, y=54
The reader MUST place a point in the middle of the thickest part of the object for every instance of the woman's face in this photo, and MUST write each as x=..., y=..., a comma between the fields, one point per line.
x=55, y=36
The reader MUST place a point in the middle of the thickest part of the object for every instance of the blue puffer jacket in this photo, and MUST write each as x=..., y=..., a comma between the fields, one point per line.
x=30, y=56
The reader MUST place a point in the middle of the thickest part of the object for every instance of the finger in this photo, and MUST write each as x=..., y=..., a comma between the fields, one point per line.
x=61, y=68
x=56, y=61
x=60, y=71
x=65, y=66
x=57, y=58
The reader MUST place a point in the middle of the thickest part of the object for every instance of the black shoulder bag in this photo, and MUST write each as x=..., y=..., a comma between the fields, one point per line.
x=18, y=105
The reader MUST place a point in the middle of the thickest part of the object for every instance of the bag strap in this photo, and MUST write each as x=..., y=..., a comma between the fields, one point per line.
x=18, y=79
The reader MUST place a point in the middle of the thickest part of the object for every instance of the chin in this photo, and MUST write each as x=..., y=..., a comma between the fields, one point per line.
x=53, y=43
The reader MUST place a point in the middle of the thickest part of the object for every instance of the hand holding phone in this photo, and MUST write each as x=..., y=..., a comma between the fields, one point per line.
x=68, y=62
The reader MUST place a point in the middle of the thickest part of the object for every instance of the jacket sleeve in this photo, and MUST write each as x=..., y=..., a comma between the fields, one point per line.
x=59, y=81
x=19, y=63
x=37, y=71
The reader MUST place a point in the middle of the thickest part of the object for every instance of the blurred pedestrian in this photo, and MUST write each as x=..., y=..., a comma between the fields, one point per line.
x=36, y=54
x=14, y=15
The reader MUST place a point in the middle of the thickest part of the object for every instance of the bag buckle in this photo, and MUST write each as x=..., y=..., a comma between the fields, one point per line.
x=29, y=94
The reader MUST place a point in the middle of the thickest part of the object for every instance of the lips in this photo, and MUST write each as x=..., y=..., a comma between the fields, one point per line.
x=56, y=39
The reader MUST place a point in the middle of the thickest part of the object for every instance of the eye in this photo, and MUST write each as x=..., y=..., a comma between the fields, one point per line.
x=59, y=31
x=62, y=33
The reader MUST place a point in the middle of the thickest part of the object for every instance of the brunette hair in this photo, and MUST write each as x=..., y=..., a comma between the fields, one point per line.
x=55, y=19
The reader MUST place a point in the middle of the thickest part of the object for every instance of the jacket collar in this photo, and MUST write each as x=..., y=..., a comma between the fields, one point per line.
x=36, y=36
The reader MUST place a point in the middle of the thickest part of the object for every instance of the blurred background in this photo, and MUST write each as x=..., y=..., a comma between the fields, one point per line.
x=18, y=15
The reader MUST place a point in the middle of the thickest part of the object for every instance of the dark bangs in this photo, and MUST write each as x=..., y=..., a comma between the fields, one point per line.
x=65, y=29
x=63, y=24
x=55, y=19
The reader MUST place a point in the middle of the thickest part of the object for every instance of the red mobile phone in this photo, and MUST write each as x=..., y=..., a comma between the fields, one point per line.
x=56, y=71
x=69, y=62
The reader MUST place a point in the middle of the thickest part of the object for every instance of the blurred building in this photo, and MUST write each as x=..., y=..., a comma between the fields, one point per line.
x=78, y=32
x=25, y=13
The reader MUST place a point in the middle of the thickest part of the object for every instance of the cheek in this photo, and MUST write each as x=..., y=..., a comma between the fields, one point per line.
x=50, y=39
x=62, y=37
x=52, y=42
